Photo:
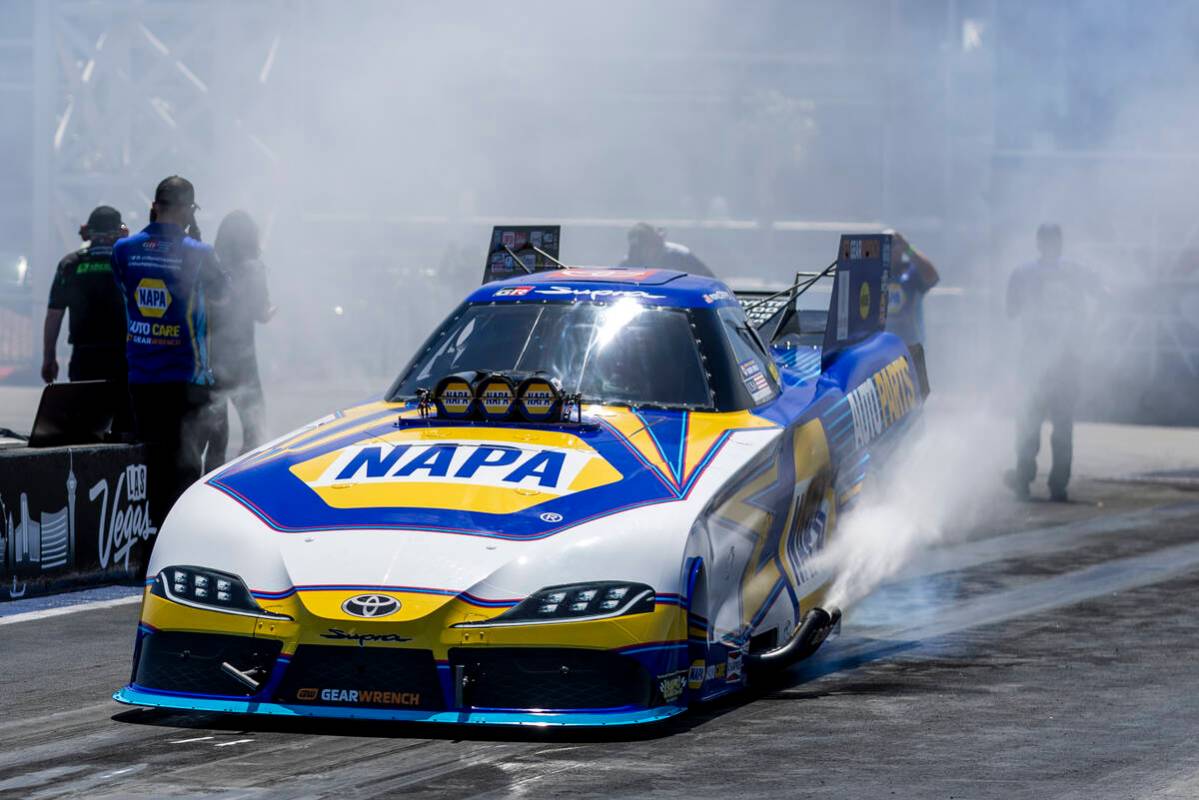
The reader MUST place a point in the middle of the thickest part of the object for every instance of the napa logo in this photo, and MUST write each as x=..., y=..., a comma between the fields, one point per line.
x=496, y=399
x=456, y=397
x=487, y=475
x=538, y=399
x=152, y=298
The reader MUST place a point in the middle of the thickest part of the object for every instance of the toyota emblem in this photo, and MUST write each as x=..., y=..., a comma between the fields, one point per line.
x=371, y=605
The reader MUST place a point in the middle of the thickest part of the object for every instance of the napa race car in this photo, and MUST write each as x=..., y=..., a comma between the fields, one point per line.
x=594, y=497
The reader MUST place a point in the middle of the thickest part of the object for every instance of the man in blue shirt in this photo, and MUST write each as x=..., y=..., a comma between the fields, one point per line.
x=905, y=295
x=168, y=280
x=1048, y=299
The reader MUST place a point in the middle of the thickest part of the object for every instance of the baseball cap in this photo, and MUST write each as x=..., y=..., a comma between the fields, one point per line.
x=175, y=191
x=644, y=231
x=104, y=219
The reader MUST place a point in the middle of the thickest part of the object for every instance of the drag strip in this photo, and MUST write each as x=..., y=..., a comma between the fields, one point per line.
x=75, y=608
x=1033, y=683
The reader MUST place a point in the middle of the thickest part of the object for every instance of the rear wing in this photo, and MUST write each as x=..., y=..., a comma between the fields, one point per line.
x=522, y=250
x=858, y=307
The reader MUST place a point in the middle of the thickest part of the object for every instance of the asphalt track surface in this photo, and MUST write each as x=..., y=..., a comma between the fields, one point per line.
x=1050, y=654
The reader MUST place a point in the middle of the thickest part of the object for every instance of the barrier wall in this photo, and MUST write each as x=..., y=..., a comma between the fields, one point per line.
x=71, y=517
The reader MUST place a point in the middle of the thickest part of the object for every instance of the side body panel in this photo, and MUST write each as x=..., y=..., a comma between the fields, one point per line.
x=758, y=536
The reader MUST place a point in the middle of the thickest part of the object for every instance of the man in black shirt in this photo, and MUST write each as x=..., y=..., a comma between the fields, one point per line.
x=1050, y=299
x=84, y=286
x=648, y=249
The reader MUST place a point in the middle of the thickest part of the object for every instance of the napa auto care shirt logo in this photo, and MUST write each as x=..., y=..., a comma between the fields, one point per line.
x=486, y=475
x=152, y=298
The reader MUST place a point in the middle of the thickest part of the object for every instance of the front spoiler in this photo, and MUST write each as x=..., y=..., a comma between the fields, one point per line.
x=136, y=696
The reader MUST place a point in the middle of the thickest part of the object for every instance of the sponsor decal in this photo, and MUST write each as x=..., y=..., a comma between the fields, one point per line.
x=897, y=298
x=477, y=463
x=538, y=399
x=144, y=332
x=606, y=274
x=456, y=397
x=595, y=294
x=127, y=520
x=360, y=696
x=881, y=401
x=338, y=635
x=507, y=472
x=152, y=297
x=501, y=262
x=732, y=669
x=755, y=380
x=864, y=300
x=715, y=672
x=842, y=290
x=508, y=238
x=551, y=517
x=496, y=398
x=855, y=249
x=672, y=685
x=513, y=291
x=371, y=605
x=805, y=542
x=695, y=675
x=91, y=267
x=717, y=296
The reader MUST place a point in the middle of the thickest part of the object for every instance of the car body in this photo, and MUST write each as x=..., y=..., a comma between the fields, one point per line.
x=392, y=562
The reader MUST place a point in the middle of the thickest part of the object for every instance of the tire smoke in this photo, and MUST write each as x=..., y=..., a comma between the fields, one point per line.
x=943, y=480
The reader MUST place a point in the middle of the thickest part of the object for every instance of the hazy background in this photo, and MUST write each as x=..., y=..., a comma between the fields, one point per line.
x=377, y=142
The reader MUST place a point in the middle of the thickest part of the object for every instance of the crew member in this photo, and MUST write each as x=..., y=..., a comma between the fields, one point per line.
x=905, y=303
x=168, y=280
x=648, y=248
x=83, y=286
x=234, y=356
x=1048, y=300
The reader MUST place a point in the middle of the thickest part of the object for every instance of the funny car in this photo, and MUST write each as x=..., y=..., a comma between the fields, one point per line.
x=595, y=496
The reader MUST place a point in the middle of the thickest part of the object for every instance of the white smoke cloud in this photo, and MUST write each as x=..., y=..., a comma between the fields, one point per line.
x=938, y=485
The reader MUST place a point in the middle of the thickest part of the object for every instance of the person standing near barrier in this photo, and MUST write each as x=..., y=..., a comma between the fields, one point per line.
x=169, y=280
x=83, y=289
x=1048, y=300
x=234, y=356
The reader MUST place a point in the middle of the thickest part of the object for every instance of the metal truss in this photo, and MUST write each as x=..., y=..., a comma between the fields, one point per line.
x=127, y=93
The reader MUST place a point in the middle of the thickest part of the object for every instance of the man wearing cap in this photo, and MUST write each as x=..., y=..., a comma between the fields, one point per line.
x=168, y=280
x=83, y=286
x=648, y=248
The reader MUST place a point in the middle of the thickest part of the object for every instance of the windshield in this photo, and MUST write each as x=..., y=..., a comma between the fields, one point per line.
x=624, y=353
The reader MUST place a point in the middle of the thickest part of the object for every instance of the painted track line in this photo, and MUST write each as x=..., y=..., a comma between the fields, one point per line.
x=1108, y=577
x=1038, y=541
x=45, y=613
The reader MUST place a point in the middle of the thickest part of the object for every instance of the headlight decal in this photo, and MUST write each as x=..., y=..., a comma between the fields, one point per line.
x=208, y=589
x=579, y=601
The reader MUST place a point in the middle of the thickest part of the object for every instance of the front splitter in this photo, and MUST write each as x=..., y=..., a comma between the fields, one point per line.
x=135, y=696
